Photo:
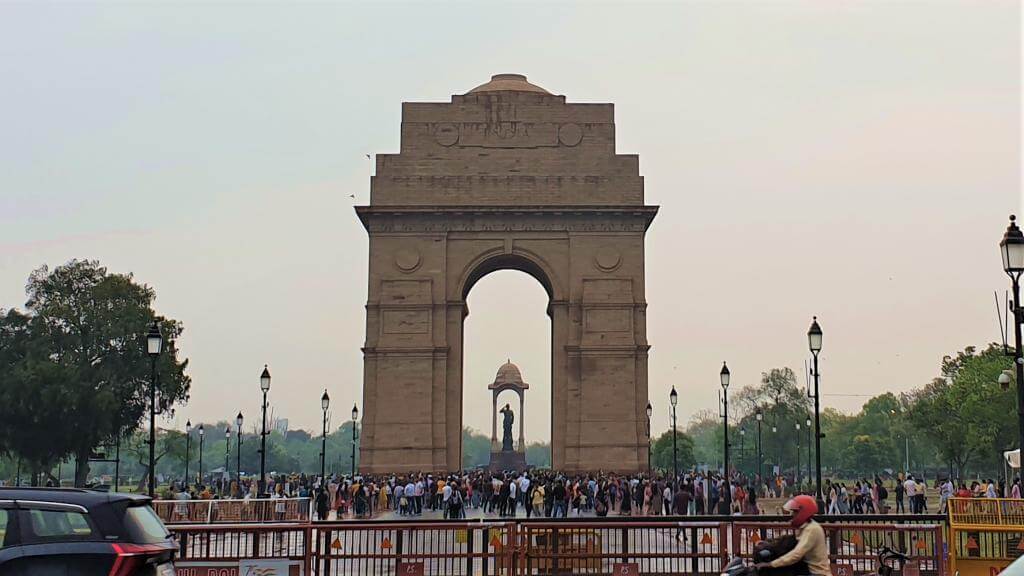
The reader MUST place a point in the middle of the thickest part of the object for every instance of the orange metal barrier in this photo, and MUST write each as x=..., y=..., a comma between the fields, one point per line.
x=986, y=534
x=233, y=511
x=534, y=548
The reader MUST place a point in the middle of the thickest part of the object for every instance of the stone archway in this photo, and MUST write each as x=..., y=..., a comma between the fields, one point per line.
x=506, y=176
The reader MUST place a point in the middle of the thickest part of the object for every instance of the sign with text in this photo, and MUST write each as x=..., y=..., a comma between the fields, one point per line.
x=625, y=569
x=409, y=569
x=842, y=570
x=263, y=568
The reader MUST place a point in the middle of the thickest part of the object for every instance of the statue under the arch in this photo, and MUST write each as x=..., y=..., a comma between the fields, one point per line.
x=506, y=455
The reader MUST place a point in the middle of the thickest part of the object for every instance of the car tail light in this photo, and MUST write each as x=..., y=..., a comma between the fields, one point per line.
x=131, y=557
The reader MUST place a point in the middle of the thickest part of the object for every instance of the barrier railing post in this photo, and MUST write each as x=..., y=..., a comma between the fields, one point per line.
x=625, y=544
x=307, y=556
x=484, y=545
x=694, y=563
x=469, y=550
x=555, y=560
x=325, y=553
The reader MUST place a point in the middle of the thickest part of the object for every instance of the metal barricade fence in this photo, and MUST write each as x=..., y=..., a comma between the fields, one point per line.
x=214, y=546
x=443, y=549
x=547, y=547
x=174, y=512
x=985, y=534
x=595, y=547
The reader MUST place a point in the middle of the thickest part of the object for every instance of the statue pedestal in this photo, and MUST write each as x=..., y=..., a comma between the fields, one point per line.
x=507, y=460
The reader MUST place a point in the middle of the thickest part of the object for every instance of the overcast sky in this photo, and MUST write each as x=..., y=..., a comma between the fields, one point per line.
x=851, y=160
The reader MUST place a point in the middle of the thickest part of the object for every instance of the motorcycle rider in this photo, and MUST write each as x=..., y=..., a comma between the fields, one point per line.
x=810, y=538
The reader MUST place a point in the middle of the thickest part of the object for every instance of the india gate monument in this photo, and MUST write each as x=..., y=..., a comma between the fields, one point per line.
x=505, y=176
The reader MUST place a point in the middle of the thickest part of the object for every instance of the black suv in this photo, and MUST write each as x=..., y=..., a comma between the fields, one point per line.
x=71, y=532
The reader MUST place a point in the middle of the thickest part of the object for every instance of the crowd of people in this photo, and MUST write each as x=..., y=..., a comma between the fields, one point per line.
x=546, y=493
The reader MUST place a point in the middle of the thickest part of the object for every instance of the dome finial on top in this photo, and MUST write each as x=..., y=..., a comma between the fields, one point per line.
x=508, y=83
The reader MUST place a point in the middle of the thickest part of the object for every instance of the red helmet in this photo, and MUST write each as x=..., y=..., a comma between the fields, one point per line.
x=803, y=508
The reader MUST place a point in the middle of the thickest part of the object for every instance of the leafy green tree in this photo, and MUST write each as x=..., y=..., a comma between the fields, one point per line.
x=965, y=412
x=538, y=454
x=75, y=369
x=476, y=448
x=662, y=455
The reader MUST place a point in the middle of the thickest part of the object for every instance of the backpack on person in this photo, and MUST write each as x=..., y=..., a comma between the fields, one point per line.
x=882, y=493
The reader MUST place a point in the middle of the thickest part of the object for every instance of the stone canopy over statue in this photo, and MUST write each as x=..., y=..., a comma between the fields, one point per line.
x=506, y=437
x=509, y=454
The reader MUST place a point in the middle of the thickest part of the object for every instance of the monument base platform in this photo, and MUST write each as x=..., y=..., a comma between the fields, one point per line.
x=507, y=460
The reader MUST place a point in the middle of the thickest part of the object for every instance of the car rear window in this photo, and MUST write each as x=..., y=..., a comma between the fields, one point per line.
x=59, y=524
x=143, y=525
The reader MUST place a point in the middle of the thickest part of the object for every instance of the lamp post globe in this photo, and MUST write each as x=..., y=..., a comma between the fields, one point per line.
x=227, y=457
x=759, y=416
x=1011, y=248
x=154, y=344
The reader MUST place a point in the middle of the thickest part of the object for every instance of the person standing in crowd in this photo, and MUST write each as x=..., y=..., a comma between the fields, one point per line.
x=910, y=489
x=900, y=492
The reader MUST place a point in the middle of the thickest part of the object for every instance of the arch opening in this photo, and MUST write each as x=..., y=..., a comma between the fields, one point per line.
x=505, y=327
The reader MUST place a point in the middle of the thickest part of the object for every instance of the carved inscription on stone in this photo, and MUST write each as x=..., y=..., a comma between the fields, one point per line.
x=508, y=135
x=406, y=321
x=405, y=292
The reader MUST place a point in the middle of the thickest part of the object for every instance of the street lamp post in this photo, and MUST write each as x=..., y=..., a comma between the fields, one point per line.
x=227, y=458
x=797, y=456
x=154, y=342
x=814, y=343
x=1012, y=250
x=202, y=434
x=238, y=450
x=325, y=402
x=723, y=377
x=650, y=466
x=673, y=398
x=265, y=387
x=188, y=448
x=743, y=449
x=807, y=424
x=759, y=416
x=355, y=436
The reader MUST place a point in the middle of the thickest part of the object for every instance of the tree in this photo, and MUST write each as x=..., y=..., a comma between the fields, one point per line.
x=661, y=452
x=964, y=411
x=75, y=369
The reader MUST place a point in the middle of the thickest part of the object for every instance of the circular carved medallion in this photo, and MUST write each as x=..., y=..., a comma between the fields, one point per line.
x=570, y=134
x=446, y=134
x=607, y=258
x=407, y=260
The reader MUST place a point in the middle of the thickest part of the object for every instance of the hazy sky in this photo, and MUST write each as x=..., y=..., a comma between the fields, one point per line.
x=851, y=160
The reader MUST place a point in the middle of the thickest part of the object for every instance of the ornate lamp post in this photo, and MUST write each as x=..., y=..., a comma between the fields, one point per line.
x=807, y=424
x=723, y=378
x=325, y=402
x=759, y=416
x=227, y=458
x=650, y=466
x=673, y=399
x=238, y=449
x=355, y=436
x=202, y=434
x=797, y=473
x=814, y=343
x=1012, y=250
x=154, y=343
x=265, y=387
x=188, y=448
x=743, y=448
